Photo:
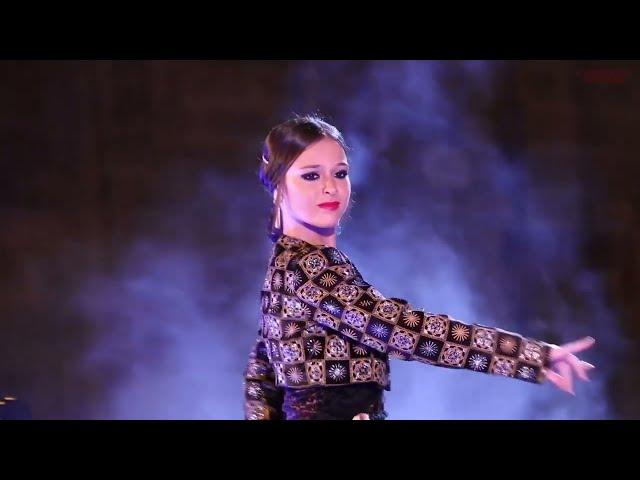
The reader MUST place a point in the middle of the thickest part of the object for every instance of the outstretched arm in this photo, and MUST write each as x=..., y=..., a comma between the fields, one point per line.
x=336, y=296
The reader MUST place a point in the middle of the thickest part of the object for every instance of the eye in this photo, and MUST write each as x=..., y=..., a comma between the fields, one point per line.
x=311, y=176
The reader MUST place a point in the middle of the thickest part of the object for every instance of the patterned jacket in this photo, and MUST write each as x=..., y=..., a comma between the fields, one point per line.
x=323, y=324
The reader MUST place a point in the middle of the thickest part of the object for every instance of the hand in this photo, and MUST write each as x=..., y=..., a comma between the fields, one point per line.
x=564, y=364
x=361, y=416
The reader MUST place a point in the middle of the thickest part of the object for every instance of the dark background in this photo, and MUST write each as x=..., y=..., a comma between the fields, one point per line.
x=133, y=240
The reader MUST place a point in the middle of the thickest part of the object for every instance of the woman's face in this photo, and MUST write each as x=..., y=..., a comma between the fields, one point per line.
x=319, y=175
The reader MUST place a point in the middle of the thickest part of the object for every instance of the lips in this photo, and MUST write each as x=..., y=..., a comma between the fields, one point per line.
x=330, y=205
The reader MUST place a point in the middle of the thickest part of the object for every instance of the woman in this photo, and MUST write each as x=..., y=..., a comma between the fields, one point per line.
x=326, y=334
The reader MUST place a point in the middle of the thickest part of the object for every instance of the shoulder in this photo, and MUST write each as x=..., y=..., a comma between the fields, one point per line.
x=328, y=262
x=321, y=257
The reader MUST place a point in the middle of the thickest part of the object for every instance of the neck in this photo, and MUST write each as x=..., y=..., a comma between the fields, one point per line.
x=312, y=234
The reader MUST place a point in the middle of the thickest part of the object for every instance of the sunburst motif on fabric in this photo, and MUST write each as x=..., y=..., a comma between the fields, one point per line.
x=508, y=345
x=328, y=280
x=295, y=375
x=332, y=308
x=292, y=280
x=526, y=372
x=429, y=349
x=350, y=333
x=460, y=333
x=398, y=355
x=291, y=329
x=379, y=330
x=477, y=362
x=360, y=350
x=337, y=372
x=314, y=346
x=305, y=311
x=411, y=319
x=277, y=280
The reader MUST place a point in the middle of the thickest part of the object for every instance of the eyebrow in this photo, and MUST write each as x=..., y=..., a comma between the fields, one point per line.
x=318, y=166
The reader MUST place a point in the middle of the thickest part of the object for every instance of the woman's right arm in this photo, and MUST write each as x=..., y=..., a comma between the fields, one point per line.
x=262, y=398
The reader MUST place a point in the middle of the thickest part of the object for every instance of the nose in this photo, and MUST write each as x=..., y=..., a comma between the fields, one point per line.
x=330, y=187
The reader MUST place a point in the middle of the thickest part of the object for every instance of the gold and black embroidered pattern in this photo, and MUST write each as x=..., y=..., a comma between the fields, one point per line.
x=324, y=325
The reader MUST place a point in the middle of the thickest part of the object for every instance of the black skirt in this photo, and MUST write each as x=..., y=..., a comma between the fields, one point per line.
x=334, y=403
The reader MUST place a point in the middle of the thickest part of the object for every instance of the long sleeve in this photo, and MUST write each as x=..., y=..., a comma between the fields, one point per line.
x=339, y=298
x=262, y=398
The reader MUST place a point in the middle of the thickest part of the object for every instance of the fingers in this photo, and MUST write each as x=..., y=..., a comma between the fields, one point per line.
x=361, y=416
x=578, y=367
x=557, y=380
x=579, y=345
x=564, y=379
x=561, y=352
x=586, y=368
x=565, y=370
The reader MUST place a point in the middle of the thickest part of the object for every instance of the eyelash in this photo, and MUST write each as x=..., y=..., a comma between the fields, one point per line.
x=306, y=175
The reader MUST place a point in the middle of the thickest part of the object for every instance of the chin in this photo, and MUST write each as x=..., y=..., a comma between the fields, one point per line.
x=323, y=224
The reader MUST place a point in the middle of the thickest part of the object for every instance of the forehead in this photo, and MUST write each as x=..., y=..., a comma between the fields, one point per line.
x=326, y=152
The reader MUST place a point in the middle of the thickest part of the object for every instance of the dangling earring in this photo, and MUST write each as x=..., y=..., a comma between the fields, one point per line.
x=277, y=217
x=277, y=222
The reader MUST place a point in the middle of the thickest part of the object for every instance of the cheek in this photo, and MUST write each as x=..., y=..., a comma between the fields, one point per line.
x=299, y=194
x=347, y=190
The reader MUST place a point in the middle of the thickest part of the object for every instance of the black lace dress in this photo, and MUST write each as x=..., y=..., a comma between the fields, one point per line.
x=334, y=403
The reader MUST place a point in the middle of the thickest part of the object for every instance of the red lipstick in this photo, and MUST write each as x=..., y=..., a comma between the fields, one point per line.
x=329, y=205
